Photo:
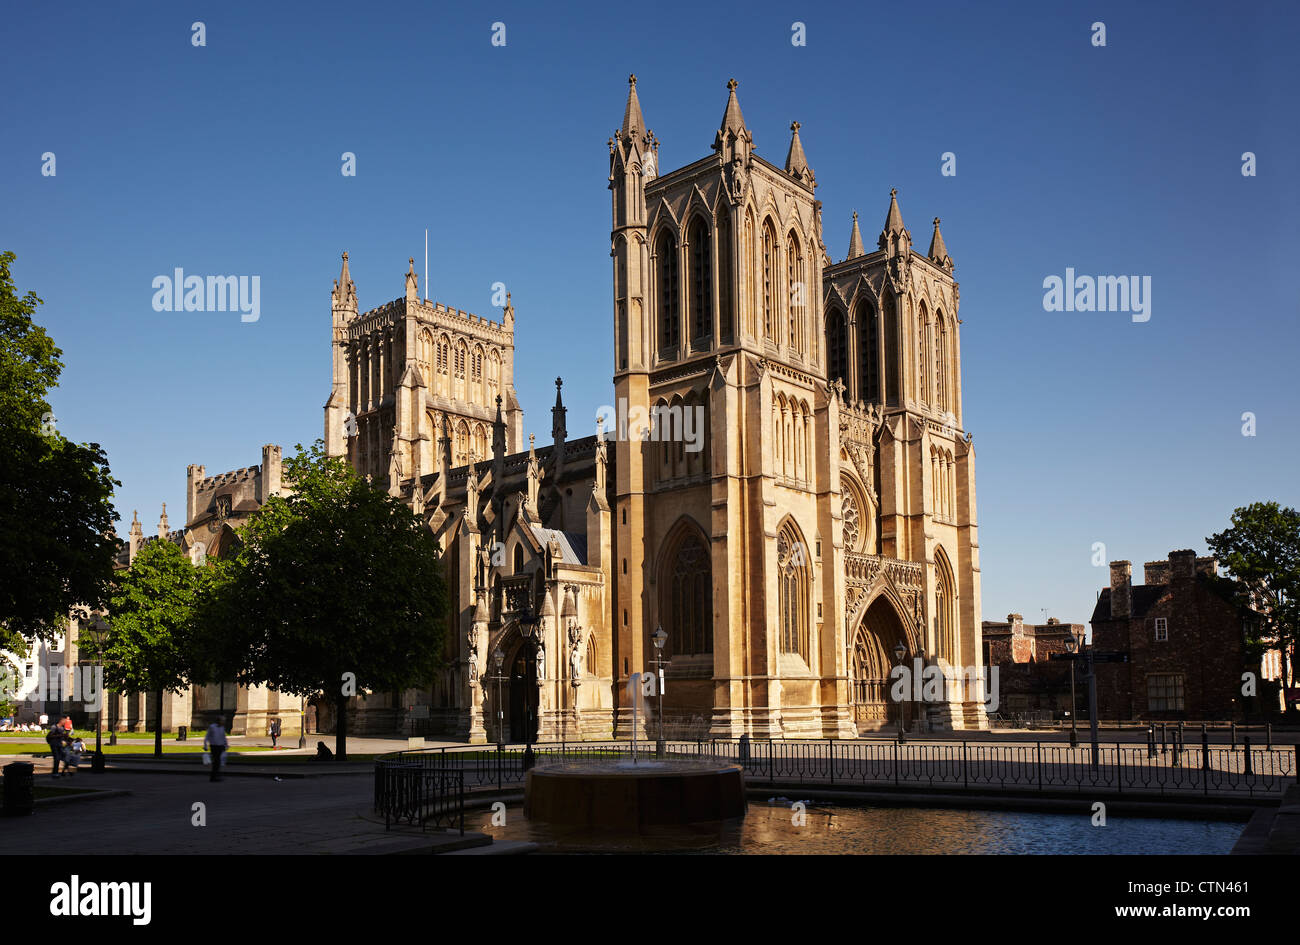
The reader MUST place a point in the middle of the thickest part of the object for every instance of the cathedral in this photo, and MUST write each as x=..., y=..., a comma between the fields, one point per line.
x=818, y=529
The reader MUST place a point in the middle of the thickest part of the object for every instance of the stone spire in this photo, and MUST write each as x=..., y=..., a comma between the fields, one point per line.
x=796, y=164
x=938, y=252
x=412, y=283
x=855, y=240
x=344, y=295
x=733, y=122
x=498, y=445
x=163, y=530
x=558, y=414
x=136, y=536
x=534, y=477
x=417, y=487
x=894, y=230
x=508, y=317
x=633, y=122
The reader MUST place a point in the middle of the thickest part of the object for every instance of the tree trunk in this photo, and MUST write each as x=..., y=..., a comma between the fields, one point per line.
x=341, y=729
x=157, y=724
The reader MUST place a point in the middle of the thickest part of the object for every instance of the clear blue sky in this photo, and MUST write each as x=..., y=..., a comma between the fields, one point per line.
x=1117, y=160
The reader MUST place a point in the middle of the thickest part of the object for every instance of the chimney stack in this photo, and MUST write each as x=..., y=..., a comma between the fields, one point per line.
x=1182, y=565
x=1121, y=588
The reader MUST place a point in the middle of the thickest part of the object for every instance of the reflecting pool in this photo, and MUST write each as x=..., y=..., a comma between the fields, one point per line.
x=772, y=828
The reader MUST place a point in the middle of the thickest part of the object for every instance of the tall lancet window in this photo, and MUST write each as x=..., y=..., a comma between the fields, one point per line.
x=922, y=392
x=666, y=292
x=792, y=590
x=688, y=610
x=868, y=353
x=940, y=359
x=769, y=281
x=701, y=280
x=726, y=273
x=837, y=348
x=798, y=289
x=893, y=351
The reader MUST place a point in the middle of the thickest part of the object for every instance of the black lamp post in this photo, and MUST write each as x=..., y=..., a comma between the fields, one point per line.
x=1071, y=647
x=899, y=652
x=96, y=633
x=302, y=723
x=528, y=623
x=498, y=658
x=660, y=638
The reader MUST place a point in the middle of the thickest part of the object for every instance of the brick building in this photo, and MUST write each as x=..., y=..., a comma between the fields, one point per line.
x=1186, y=643
x=1028, y=682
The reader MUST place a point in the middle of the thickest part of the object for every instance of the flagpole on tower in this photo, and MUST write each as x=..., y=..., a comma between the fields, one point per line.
x=426, y=264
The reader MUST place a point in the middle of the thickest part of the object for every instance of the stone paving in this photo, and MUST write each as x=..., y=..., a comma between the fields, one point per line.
x=245, y=815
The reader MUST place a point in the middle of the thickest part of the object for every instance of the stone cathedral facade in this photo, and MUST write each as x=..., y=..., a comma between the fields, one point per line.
x=822, y=516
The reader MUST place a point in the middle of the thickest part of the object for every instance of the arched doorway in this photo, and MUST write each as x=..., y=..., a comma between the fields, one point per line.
x=880, y=631
x=522, y=709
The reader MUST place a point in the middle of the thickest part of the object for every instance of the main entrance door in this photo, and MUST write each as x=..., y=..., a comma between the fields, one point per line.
x=878, y=634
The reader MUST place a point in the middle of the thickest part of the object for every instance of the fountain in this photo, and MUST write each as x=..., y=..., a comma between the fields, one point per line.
x=631, y=796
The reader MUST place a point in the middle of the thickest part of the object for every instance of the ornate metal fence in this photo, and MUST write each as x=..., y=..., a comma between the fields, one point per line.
x=411, y=793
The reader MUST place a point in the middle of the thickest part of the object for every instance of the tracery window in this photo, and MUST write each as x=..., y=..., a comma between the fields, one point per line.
x=701, y=280
x=688, y=611
x=666, y=292
x=792, y=591
x=851, y=515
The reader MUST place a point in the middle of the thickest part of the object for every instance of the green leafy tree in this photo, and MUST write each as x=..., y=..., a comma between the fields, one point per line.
x=336, y=589
x=149, y=640
x=56, y=517
x=1261, y=549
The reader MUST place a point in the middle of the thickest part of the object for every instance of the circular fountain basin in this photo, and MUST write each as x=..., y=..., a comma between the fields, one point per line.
x=622, y=796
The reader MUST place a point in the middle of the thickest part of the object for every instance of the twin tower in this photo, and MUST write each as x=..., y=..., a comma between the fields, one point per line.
x=829, y=524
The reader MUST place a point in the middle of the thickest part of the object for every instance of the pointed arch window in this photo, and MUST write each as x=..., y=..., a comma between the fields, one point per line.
x=769, y=281
x=868, y=353
x=749, y=300
x=837, y=348
x=726, y=273
x=945, y=636
x=792, y=590
x=688, y=607
x=425, y=356
x=700, y=280
x=666, y=292
x=922, y=391
x=893, y=354
x=940, y=359
x=798, y=289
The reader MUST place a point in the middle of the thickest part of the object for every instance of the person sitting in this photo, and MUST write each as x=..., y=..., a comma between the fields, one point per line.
x=323, y=753
x=72, y=756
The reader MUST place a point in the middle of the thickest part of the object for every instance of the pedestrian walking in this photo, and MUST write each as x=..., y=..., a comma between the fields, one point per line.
x=55, y=738
x=214, y=741
x=275, y=732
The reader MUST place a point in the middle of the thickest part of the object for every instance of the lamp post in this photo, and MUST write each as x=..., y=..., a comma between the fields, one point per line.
x=899, y=652
x=96, y=634
x=1071, y=646
x=659, y=638
x=302, y=723
x=528, y=624
x=498, y=658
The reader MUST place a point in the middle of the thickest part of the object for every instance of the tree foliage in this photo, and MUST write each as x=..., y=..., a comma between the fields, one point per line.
x=335, y=589
x=56, y=517
x=1261, y=549
x=150, y=637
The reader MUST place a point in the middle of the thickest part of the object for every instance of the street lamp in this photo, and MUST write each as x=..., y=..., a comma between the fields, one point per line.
x=528, y=624
x=899, y=652
x=1071, y=647
x=96, y=634
x=302, y=723
x=660, y=638
x=498, y=658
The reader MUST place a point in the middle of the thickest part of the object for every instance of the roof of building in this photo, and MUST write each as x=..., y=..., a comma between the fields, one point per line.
x=573, y=547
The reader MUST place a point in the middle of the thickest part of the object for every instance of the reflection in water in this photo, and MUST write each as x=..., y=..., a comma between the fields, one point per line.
x=768, y=828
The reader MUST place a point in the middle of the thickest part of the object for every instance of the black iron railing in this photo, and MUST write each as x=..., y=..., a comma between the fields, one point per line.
x=411, y=793
x=1026, y=766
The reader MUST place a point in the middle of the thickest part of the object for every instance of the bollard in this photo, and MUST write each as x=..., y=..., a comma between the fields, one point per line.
x=1246, y=741
x=20, y=788
x=181, y=732
x=1232, y=735
x=1205, y=749
x=1151, y=741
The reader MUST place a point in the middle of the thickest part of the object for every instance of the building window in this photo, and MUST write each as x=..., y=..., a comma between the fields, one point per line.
x=689, y=610
x=792, y=591
x=28, y=671
x=700, y=280
x=1162, y=629
x=1165, y=693
x=666, y=292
